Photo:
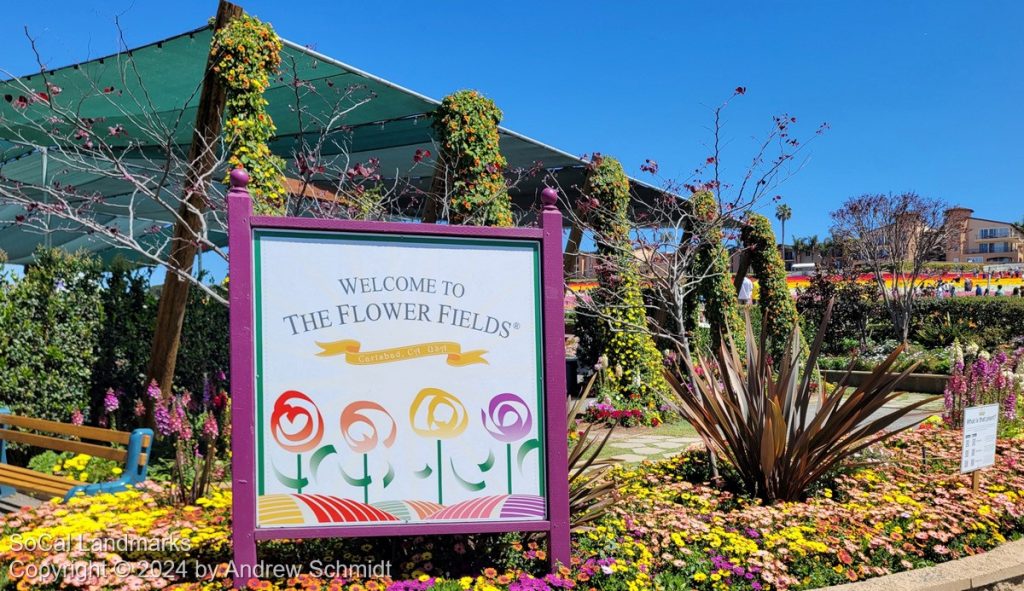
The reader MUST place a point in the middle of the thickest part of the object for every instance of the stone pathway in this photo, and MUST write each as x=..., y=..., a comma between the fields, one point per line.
x=628, y=447
x=12, y=503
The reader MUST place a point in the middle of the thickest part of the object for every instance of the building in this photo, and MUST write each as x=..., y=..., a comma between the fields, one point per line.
x=979, y=240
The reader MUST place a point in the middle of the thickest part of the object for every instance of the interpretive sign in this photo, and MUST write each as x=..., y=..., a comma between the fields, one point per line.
x=979, y=438
x=395, y=378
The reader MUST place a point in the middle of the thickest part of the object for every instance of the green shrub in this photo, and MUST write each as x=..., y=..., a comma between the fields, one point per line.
x=991, y=322
x=937, y=361
x=50, y=321
x=853, y=311
x=129, y=308
x=81, y=467
x=204, y=352
x=70, y=331
x=944, y=331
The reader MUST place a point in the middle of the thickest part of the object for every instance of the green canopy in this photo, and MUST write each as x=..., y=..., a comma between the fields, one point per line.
x=157, y=87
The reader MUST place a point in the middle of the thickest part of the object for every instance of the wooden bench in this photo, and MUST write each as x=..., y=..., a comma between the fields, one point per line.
x=26, y=430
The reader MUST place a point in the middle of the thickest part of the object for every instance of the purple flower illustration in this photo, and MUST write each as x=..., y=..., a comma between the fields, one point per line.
x=509, y=416
x=507, y=419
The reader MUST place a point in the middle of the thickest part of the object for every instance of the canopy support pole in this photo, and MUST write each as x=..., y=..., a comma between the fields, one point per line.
x=202, y=158
x=741, y=271
x=571, y=258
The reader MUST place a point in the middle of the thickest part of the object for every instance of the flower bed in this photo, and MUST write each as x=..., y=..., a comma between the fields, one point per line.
x=916, y=510
x=669, y=529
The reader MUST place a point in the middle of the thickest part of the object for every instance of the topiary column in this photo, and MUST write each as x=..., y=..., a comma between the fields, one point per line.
x=247, y=53
x=466, y=123
x=634, y=375
x=711, y=268
x=777, y=307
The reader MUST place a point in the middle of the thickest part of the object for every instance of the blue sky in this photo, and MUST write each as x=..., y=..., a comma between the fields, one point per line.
x=921, y=96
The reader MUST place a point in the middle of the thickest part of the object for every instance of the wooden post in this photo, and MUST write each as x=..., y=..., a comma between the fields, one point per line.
x=570, y=260
x=741, y=269
x=976, y=480
x=201, y=159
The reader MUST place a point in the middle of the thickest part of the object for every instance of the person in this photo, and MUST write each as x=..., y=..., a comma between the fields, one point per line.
x=999, y=290
x=968, y=284
x=1016, y=291
x=977, y=290
x=746, y=291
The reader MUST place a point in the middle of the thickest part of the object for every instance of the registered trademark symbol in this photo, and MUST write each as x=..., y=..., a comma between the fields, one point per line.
x=515, y=325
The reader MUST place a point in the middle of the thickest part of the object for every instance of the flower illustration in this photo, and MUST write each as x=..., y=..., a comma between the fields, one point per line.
x=507, y=418
x=364, y=412
x=356, y=414
x=436, y=413
x=296, y=423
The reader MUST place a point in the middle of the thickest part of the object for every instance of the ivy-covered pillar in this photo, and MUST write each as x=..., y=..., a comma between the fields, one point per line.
x=776, y=304
x=710, y=268
x=634, y=376
x=470, y=167
x=248, y=54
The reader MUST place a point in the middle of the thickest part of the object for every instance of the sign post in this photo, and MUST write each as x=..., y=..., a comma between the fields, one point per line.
x=394, y=379
x=978, y=448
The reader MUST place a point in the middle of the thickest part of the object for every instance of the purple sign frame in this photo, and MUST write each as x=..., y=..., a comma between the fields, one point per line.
x=241, y=224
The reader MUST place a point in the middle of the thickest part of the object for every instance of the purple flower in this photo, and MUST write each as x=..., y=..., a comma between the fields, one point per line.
x=163, y=420
x=153, y=391
x=110, y=401
x=77, y=418
x=210, y=429
x=559, y=582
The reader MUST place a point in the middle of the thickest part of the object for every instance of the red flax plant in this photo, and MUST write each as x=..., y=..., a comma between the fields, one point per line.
x=760, y=418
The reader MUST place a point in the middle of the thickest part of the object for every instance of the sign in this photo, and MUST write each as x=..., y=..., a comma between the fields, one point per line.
x=979, y=438
x=399, y=379
x=395, y=379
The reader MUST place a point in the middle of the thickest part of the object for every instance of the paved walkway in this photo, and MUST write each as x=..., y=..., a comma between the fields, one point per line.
x=12, y=503
x=630, y=446
x=636, y=448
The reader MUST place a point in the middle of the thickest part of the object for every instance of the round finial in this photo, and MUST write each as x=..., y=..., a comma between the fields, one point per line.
x=239, y=178
x=549, y=197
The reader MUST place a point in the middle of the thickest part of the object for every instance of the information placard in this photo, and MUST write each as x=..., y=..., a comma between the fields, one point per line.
x=979, y=439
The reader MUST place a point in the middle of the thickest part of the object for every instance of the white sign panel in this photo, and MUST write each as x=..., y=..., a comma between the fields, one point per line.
x=398, y=379
x=979, y=444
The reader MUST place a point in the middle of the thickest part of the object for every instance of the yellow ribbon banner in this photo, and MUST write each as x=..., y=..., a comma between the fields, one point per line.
x=350, y=349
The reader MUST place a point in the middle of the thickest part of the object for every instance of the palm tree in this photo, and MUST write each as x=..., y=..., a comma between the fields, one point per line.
x=799, y=246
x=782, y=213
x=813, y=246
x=831, y=250
x=1019, y=227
